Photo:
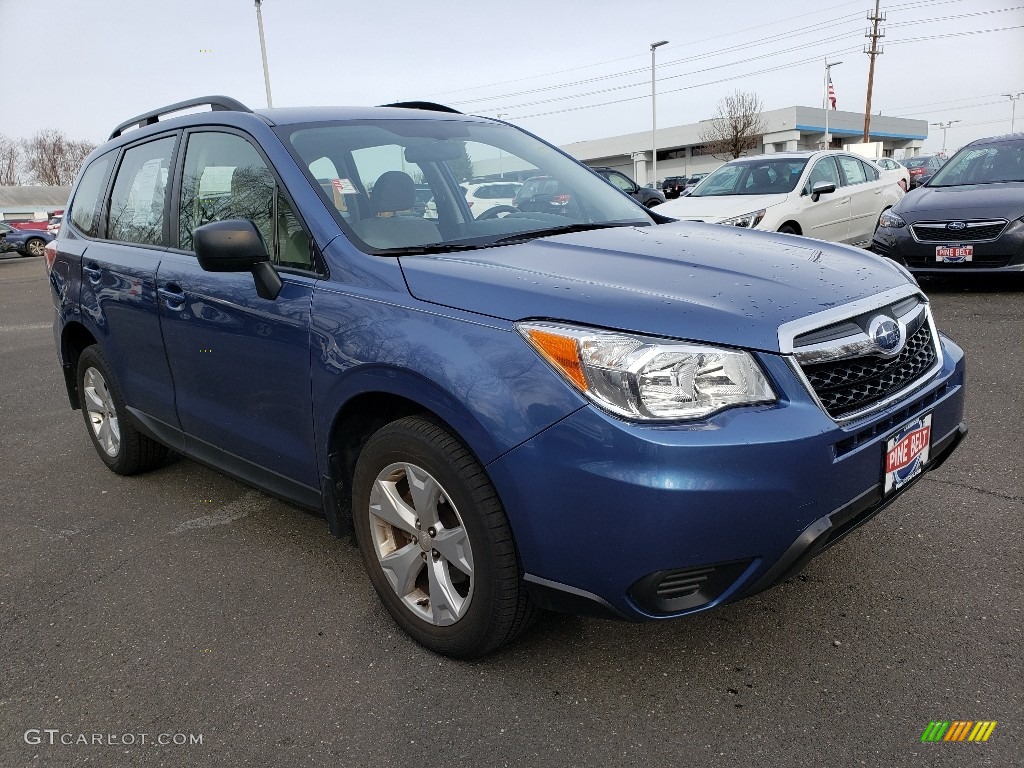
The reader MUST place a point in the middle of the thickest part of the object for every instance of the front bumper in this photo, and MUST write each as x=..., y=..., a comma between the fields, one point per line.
x=647, y=522
x=1005, y=254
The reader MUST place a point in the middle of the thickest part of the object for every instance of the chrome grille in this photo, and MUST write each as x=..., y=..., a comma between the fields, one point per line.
x=847, y=386
x=972, y=232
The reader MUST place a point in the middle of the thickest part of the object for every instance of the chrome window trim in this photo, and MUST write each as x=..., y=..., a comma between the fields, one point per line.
x=789, y=331
x=970, y=225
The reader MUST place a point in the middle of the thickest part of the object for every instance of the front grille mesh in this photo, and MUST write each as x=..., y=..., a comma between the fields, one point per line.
x=847, y=386
x=939, y=234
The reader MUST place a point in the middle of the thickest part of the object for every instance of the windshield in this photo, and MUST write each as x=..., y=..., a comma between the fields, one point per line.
x=988, y=164
x=368, y=172
x=759, y=176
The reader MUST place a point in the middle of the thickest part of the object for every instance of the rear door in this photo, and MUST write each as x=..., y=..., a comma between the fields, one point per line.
x=865, y=188
x=241, y=364
x=118, y=294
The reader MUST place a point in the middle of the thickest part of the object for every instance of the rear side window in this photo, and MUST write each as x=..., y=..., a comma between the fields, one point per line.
x=852, y=169
x=85, y=209
x=138, y=201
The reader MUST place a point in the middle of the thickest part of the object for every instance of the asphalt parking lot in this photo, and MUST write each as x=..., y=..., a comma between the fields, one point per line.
x=181, y=603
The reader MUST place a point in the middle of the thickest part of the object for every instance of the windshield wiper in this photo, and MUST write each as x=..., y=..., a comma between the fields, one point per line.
x=565, y=229
x=416, y=250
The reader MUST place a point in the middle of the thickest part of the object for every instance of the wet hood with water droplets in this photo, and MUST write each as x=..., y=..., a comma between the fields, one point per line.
x=700, y=282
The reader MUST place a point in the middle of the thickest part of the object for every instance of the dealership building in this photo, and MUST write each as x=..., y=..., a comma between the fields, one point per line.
x=682, y=153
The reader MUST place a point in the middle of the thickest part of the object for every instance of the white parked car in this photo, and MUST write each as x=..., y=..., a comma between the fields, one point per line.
x=483, y=197
x=899, y=171
x=828, y=195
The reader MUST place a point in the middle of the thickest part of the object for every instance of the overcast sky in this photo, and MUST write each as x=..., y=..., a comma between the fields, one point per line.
x=567, y=70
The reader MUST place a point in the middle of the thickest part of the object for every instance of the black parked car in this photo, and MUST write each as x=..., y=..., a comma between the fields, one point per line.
x=646, y=195
x=673, y=186
x=922, y=168
x=968, y=218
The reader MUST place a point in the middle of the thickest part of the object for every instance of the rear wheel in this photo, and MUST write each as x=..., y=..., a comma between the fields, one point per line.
x=119, y=444
x=435, y=540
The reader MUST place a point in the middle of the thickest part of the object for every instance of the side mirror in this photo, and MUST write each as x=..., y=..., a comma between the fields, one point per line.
x=236, y=245
x=822, y=188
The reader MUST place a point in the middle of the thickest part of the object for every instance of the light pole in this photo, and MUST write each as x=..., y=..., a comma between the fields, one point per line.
x=1013, y=106
x=654, y=116
x=824, y=99
x=944, y=126
x=501, y=164
x=263, y=50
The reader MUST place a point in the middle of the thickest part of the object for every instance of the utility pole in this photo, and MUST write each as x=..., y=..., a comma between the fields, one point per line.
x=1013, y=106
x=872, y=50
x=944, y=126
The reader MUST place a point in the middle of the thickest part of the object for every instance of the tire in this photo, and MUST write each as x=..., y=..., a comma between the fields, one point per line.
x=119, y=444
x=35, y=246
x=788, y=229
x=653, y=203
x=463, y=599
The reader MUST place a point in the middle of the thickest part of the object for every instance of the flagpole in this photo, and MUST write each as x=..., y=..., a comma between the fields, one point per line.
x=824, y=101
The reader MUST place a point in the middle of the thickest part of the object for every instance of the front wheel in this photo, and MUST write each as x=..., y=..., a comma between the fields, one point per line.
x=435, y=540
x=119, y=444
x=788, y=229
x=35, y=246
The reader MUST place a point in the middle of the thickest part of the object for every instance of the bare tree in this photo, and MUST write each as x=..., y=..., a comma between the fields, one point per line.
x=51, y=158
x=10, y=162
x=736, y=127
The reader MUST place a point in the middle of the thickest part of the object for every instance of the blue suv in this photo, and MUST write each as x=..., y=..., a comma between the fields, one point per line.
x=588, y=408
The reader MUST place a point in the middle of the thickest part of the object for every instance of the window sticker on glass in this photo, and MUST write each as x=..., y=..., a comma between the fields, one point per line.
x=344, y=187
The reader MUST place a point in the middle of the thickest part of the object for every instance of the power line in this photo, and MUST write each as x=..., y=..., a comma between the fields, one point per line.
x=667, y=77
x=672, y=63
x=680, y=45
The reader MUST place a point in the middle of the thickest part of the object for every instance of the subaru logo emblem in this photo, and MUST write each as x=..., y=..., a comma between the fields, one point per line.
x=887, y=334
x=956, y=226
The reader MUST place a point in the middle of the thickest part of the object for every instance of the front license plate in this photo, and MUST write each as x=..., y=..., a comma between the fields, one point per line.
x=954, y=254
x=906, y=453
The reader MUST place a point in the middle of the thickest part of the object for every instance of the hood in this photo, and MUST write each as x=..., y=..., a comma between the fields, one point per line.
x=715, y=208
x=969, y=201
x=700, y=282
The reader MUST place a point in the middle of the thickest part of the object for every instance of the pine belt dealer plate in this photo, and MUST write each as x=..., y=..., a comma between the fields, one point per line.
x=954, y=254
x=906, y=453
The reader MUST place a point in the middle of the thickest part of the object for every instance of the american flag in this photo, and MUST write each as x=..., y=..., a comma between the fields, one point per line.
x=831, y=92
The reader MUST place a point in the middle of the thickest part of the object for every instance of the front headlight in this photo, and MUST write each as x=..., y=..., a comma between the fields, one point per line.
x=890, y=220
x=649, y=379
x=748, y=220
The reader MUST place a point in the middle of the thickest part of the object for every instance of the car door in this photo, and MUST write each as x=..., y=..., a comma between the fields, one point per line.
x=118, y=281
x=865, y=189
x=241, y=364
x=828, y=217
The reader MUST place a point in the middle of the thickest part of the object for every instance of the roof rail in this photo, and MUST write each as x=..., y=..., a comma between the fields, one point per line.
x=428, y=106
x=217, y=103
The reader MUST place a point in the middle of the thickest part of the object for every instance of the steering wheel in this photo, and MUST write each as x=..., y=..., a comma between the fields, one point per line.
x=497, y=212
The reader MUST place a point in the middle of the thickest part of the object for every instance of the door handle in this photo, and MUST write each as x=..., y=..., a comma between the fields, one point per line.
x=173, y=296
x=92, y=271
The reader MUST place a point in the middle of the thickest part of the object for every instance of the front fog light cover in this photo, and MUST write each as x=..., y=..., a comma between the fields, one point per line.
x=748, y=220
x=649, y=379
